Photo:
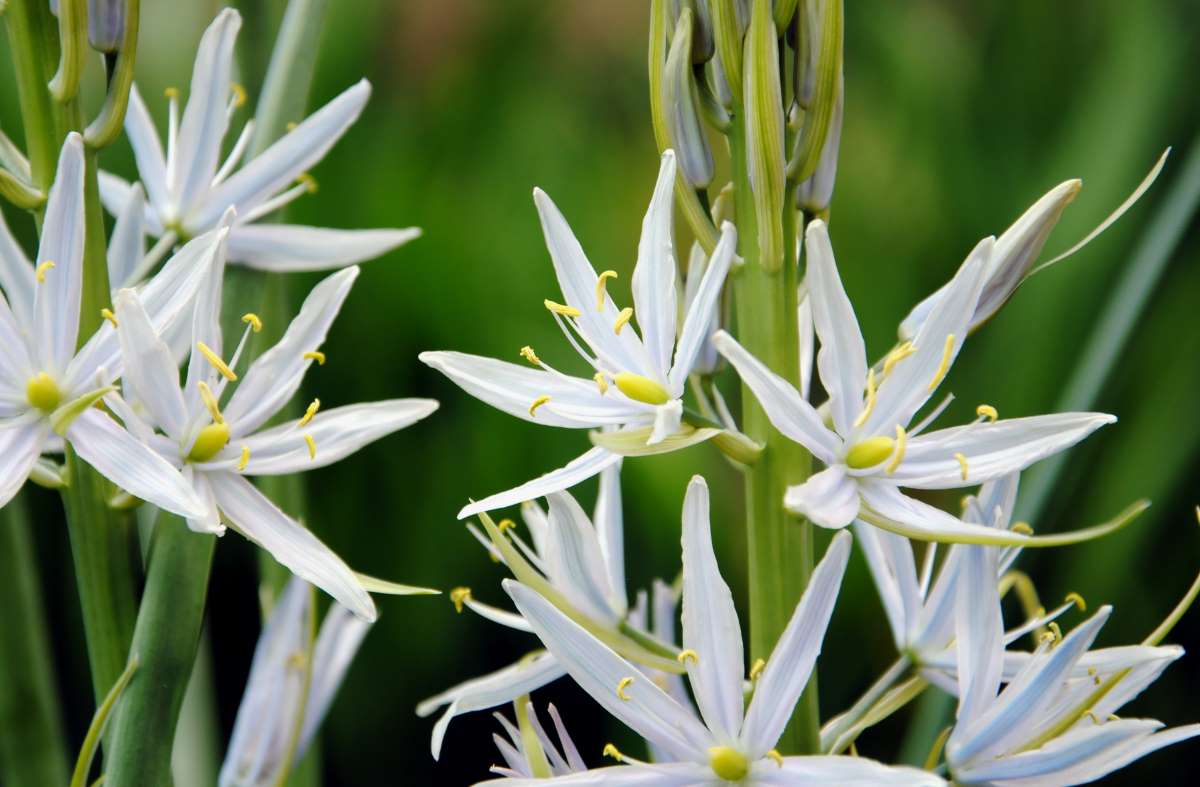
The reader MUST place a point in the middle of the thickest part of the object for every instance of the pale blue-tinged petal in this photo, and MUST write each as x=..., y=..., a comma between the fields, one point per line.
x=150, y=370
x=992, y=450
x=842, y=771
x=58, y=292
x=829, y=498
x=610, y=530
x=789, y=412
x=341, y=634
x=128, y=241
x=894, y=573
x=790, y=665
x=675, y=774
x=917, y=519
x=599, y=671
x=1118, y=757
x=280, y=164
x=1148, y=665
x=804, y=320
x=16, y=364
x=574, y=563
x=206, y=329
x=710, y=623
x=289, y=542
x=576, y=471
x=114, y=195
x=654, y=275
x=667, y=420
x=979, y=638
x=147, y=152
x=130, y=464
x=286, y=248
x=699, y=321
x=842, y=359
x=996, y=500
x=20, y=444
x=211, y=521
x=16, y=275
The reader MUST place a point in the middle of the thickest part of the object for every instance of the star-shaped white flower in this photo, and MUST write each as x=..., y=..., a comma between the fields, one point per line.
x=639, y=380
x=727, y=741
x=870, y=451
x=217, y=447
x=189, y=189
x=526, y=760
x=46, y=387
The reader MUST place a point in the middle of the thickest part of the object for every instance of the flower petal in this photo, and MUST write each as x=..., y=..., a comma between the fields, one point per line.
x=610, y=530
x=919, y=520
x=980, y=635
x=147, y=151
x=577, y=470
x=58, y=293
x=573, y=561
x=673, y=774
x=128, y=241
x=20, y=445
x=16, y=365
x=829, y=499
x=699, y=321
x=1115, y=758
x=150, y=370
x=291, y=247
x=16, y=275
x=654, y=274
x=890, y=560
x=341, y=634
x=843, y=771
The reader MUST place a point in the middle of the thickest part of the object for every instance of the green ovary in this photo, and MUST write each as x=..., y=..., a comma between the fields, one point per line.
x=869, y=452
x=43, y=393
x=728, y=763
x=641, y=389
x=209, y=443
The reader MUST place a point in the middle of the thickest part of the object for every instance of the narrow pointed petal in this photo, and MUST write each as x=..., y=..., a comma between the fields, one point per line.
x=599, y=671
x=698, y=323
x=673, y=774
x=147, y=151
x=829, y=499
x=114, y=195
x=574, y=563
x=118, y=456
x=804, y=320
x=128, y=241
x=576, y=471
x=150, y=370
x=16, y=365
x=920, y=520
x=844, y=771
x=710, y=623
x=56, y=301
x=890, y=560
x=341, y=634
x=285, y=248
x=20, y=445
x=289, y=542
x=788, y=411
x=654, y=275
x=1113, y=759
x=206, y=322
x=842, y=359
x=610, y=530
x=668, y=418
x=791, y=662
x=16, y=275
x=979, y=635
x=280, y=164
x=997, y=499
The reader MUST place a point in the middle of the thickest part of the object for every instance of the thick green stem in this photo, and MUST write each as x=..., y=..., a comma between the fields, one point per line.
x=165, y=642
x=779, y=545
x=32, y=750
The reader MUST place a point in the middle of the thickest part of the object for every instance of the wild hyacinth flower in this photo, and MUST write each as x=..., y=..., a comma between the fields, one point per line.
x=188, y=192
x=539, y=757
x=870, y=451
x=726, y=741
x=218, y=447
x=47, y=389
x=286, y=697
x=639, y=380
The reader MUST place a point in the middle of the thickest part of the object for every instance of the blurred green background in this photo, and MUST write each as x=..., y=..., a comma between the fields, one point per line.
x=957, y=118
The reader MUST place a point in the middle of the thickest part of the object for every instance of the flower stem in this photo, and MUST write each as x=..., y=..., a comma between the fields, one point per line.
x=779, y=546
x=32, y=750
x=165, y=643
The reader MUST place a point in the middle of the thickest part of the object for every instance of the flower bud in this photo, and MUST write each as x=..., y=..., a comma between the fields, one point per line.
x=764, y=132
x=818, y=79
x=815, y=194
x=106, y=24
x=702, y=30
x=685, y=131
x=729, y=20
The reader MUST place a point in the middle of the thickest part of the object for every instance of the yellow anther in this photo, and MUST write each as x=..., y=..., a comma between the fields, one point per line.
x=291, y=125
x=728, y=763
x=528, y=354
x=1096, y=680
x=459, y=596
x=315, y=355
x=297, y=660
x=944, y=366
x=898, y=456
x=756, y=668
x=962, y=463
x=538, y=402
x=108, y=315
x=612, y=751
x=1077, y=600
x=308, y=181
x=43, y=393
x=623, y=319
x=601, y=383
x=623, y=684
x=1046, y=636
x=210, y=401
x=1055, y=630
x=774, y=754
x=686, y=654
x=853, y=749
x=600, y=292
x=1113, y=717
x=1023, y=528
x=1091, y=671
x=870, y=403
x=869, y=452
x=209, y=442
x=245, y=460
x=312, y=446
x=898, y=353
x=987, y=411
x=239, y=94
x=252, y=319
x=171, y=92
x=641, y=389
x=964, y=501
x=216, y=361
x=40, y=273
x=563, y=309
x=505, y=524
x=1092, y=716
x=310, y=411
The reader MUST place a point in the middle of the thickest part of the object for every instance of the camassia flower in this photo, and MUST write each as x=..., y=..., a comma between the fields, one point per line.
x=639, y=380
x=47, y=389
x=870, y=451
x=535, y=755
x=188, y=192
x=217, y=447
x=727, y=741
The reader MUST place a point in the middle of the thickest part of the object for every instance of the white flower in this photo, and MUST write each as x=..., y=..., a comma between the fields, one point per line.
x=639, y=379
x=723, y=743
x=286, y=698
x=870, y=452
x=46, y=387
x=188, y=192
x=216, y=446
x=525, y=759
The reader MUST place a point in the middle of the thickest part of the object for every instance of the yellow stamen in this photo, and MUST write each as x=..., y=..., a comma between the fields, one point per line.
x=171, y=92
x=1113, y=717
x=622, y=319
x=1077, y=600
x=245, y=460
x=962, y=464
x=209, y=442
x=853, y=749
x=239, y=94
x=315, y=355
x=641, y=389
x=108, y=315
x=686, y=654
x=291, y=125
x=253, y=320
x=623, y=684
x=612, y=751
x=728, y=763
x=1091, y=671
x=459, y=596
x=1023, y=528
x=210, y=401
x=528, y=354
x=40, y=273
x=1054, y=629
x=901, y=444
x=43, y=393
x=1046, y=636
x=538, y=402
x=308, y=181
x=601, y=383
x=312, y=446
x=899, y=353
x=869, y=452
x=964, y=501
x=505, y=524
x=216, y=361
x=1092, y=716
x=559, y=308
x=600, y=292
x=756, y=669
x=987, y=411
x=776, y=756
x=870, y=405
x=310, y=412
x=944, y=366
